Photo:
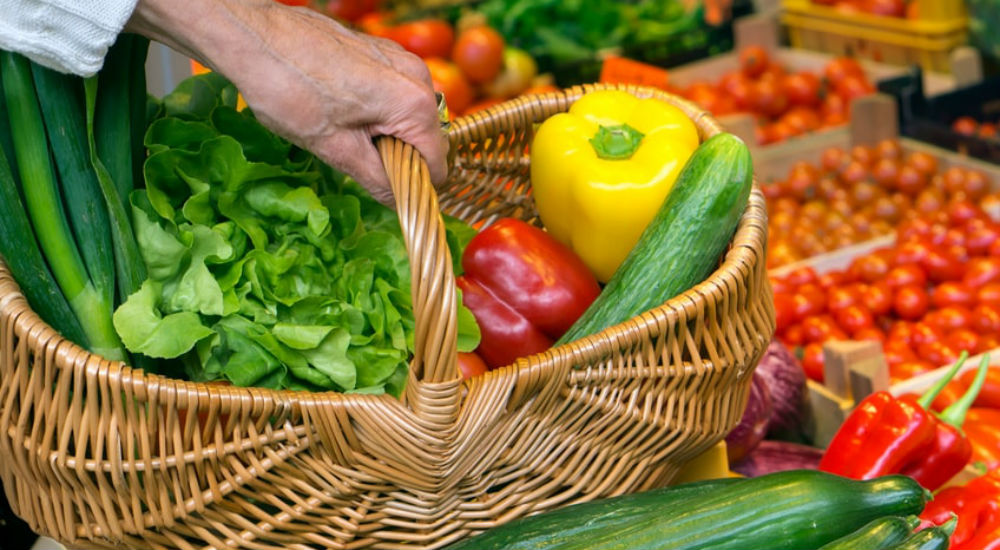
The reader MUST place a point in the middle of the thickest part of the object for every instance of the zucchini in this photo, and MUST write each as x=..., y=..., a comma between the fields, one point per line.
x=878, y=534
x=681, y=246
x=931, y=538
x=787, y=510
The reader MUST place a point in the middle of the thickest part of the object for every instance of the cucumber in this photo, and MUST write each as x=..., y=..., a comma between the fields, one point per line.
x=790, y=510
x=681, y=246
x=876, y=535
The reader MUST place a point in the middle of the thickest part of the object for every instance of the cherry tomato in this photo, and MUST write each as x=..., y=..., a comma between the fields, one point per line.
x=819, y=328
x=784, y=311
x=802, y=276
x=963, y=339
x=937, y=353
x=910, y=252
x=905, y=275
x=988, y=294
x=951, y=293
x=426, y=38
x=802, y=88
x=910, y=302
x=812, y=361
x=854, y=319
x=794, y=336
x=470, y=364
x=870, y=333
x=753, y=61
x=804, y=306
x=986, y=319
x=897, y=352
x=951, y=318
x=980, y=271
x=979, y=239
x=923, y=333
x=869, y=268
x=909, y=369
x=841, y=298
x=942, y=266
x=878, y=299
x=478, y=52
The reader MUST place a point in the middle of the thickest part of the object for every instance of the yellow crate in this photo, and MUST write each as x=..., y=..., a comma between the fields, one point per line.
x=928, y=41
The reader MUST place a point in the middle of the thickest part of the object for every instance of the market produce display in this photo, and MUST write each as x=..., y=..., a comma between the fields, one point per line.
x=968, y=126
x=854, y=195
x=786, y=104
x=927, y=297
x=891, y=8
x=794, y=510
x=976, y=505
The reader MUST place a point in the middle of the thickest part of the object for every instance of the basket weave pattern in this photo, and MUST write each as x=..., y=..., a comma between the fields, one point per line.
x=96, y=454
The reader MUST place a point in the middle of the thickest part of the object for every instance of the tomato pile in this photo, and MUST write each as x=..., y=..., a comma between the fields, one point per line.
x=933, y=294
x=856, y=195
x=892, y=8
x=786, y=103
x=968, y=126
x=473, y=67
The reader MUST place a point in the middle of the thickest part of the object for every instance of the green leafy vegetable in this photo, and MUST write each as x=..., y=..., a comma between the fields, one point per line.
x=265, y=267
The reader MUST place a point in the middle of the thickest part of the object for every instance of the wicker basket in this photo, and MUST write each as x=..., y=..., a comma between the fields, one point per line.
x=99, y=455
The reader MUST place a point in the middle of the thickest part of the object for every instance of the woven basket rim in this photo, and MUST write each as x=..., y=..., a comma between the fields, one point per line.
x=628, y=333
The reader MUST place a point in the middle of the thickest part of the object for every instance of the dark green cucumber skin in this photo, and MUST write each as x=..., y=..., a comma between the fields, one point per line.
x=681, y=247
x=878, y=534
x=791, y=510
x=932, y=538
x=602, y=515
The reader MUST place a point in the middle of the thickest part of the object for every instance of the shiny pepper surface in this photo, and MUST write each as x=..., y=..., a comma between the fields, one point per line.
x=600, y=172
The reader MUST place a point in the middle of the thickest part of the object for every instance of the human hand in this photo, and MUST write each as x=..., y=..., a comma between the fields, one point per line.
x=318, y=84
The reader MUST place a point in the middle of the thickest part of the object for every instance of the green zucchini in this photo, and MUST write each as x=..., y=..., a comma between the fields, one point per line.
x=681, y=247
x=788, y=510
x=878, y=534
x=931, y=538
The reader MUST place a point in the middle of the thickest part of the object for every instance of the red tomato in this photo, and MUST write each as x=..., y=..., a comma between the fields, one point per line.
x=979, y=239
x=963, y=339
x=911, y=252
x=937, y=353
x=854, y=319
x=812, y=361
x=470, y=364
x=841, y=298
x=293, y=2
x=910, y=302
x=989, y=294
x=853, y=87
x=801, y=119
x=753, y=61
x=375, y=24
x=986, y=319
x=965, y=125
x=801, y=276
x=995, y=250
x=349, y=10
x=988, y=342
x=961, y=211
x=878, y=299
x=448, y=79
x=909, y=369
x=942, y=266
x=478, y=52
x=951, y=318
x=897, y=352
x=426, y=38
x=869, y=268
x=784, y=311
x=819, y=328
x=831, y=279
x=840, y=68
x=870, y=333
x=771, y=98
x=980, y=271
x=833, y=159
x=952, y=293
x=910, y=181
x=905, y=275
x=804, y=306
x=794, y=336
x=890, y=8
x=802, y=89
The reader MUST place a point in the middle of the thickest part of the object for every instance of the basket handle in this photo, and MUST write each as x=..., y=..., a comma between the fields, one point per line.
x=431, y=275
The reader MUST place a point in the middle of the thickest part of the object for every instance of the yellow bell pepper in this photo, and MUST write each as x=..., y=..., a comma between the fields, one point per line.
x=601, y=171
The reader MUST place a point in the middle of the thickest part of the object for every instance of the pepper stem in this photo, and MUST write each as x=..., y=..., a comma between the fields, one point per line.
x=949, y=526
x=928, y=398
x=955, y=413
x=616, y=142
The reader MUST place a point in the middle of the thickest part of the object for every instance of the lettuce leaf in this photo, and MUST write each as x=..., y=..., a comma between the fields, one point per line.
x=265, y=266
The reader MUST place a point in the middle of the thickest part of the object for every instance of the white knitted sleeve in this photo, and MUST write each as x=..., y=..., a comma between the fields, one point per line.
x=71, y=36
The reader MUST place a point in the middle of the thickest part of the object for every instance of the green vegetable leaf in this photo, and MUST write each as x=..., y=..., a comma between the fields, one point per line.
x=144, y=330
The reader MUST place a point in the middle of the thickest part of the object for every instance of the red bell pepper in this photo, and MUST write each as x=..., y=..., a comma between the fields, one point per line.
x=888, y=435
x=950, y=449
x=982, y=426
x=524, y=288
x=977, y=506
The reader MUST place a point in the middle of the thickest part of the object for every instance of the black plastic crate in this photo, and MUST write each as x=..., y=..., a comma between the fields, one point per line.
x=930, y=119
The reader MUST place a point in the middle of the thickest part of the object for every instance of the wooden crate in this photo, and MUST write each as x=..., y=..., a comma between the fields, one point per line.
x=928, y=41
